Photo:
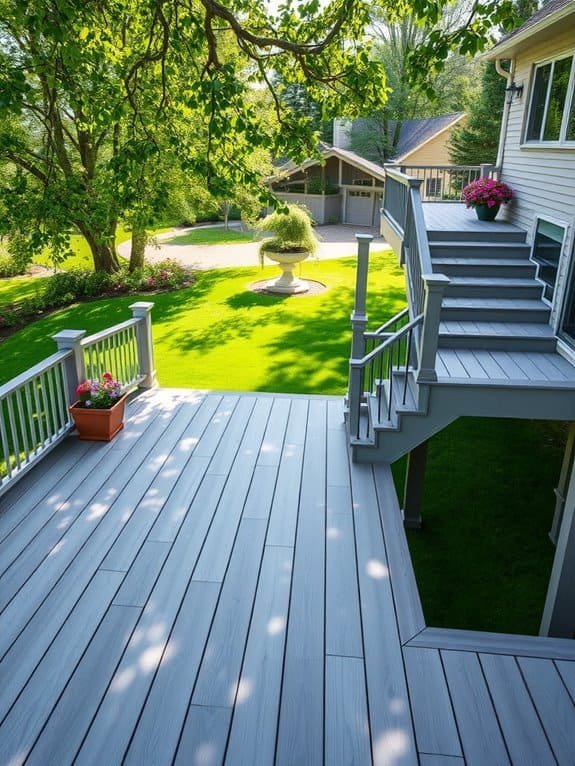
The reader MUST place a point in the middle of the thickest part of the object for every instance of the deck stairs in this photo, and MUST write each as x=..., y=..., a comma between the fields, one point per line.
x=497, y=353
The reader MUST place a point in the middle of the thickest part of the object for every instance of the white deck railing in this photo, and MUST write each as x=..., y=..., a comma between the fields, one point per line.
x=34, y=415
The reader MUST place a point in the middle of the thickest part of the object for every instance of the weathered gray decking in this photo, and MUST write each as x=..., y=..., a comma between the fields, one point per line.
x=220, y=584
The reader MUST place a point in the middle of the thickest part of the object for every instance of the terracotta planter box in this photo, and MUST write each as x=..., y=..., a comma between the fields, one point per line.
x=99, y=425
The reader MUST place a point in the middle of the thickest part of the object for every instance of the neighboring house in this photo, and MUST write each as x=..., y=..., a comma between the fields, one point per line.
x=537, y=150
x=345, y=186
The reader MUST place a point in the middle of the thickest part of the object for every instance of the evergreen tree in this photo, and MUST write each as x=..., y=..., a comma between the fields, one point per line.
x=478, y=140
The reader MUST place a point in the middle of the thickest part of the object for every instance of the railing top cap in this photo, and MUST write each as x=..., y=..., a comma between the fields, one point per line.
x=364, y=237
x=69, y=335
x=142, y=306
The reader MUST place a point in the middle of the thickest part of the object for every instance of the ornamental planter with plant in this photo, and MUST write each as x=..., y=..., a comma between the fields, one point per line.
x=99, y=413
x=293, y=242
x=486, y=195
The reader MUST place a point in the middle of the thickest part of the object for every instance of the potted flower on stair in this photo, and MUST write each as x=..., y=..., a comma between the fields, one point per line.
x=294, y=241
x=99, y=412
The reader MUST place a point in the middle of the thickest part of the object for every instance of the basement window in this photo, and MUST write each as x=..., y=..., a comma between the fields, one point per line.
x=552, y=107
x=547, y=247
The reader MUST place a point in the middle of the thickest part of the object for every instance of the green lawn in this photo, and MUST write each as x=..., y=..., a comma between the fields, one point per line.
x=16, y=289
x=217, y=334
x=483, y=557
x=212, y=236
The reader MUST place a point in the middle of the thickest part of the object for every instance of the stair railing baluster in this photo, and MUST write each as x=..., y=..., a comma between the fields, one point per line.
x=390, y=378
x=407, y=356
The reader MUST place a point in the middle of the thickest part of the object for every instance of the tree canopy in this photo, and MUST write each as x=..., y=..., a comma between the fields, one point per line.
x=99, y=98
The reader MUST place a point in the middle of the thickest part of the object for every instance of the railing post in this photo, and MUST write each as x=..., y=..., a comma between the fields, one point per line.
x=358, y=326
x=435, y=284
x=71, y=340
x=485, y=169
x=142, y=311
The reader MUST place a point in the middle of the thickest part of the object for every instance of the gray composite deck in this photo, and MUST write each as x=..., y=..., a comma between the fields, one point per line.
x=221, y=585
x=454, y=216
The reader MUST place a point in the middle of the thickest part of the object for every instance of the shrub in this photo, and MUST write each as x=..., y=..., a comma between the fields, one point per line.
x=8, y=267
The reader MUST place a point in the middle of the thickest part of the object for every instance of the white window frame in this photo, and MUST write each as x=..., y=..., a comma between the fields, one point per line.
x=560, y=225
x=562, y=141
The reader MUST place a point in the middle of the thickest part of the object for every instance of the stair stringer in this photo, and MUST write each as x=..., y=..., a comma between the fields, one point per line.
x=448, y=401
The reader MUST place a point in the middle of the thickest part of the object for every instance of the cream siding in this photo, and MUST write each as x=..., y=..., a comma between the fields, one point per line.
x=542, y=179
x=434, y=152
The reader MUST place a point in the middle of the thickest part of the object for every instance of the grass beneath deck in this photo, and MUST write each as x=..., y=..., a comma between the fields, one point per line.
x=483, y=557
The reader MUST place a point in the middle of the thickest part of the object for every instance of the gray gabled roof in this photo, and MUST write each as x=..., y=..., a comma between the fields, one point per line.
x=548, y=14
x=414, y=133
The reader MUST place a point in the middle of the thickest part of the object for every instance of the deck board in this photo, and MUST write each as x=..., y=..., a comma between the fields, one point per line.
x=237, y=592
x=300, y=729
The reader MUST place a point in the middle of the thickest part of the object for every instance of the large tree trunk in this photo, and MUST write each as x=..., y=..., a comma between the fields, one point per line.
x=103, y=249
x=138, y=251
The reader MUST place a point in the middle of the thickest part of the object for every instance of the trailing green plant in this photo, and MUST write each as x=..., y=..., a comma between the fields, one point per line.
x=293, y=231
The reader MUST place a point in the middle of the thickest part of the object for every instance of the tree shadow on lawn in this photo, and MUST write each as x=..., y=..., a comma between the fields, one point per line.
x=309, y=346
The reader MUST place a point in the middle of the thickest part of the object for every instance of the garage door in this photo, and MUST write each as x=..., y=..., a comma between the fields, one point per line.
x=359, y=208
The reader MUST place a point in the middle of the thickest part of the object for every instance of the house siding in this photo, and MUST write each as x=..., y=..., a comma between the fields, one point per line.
x=542, y=179
x=434, y=152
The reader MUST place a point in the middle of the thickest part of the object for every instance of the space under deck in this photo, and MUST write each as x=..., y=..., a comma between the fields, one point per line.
x=220, y=584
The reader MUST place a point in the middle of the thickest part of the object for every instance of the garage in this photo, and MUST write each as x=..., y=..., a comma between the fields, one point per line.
x=362, y=208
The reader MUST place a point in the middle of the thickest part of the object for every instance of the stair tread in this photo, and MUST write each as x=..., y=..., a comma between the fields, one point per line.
x=462, y=261
x=496, y=281
x=495, y=303
x=523, y=329
x=475, y=243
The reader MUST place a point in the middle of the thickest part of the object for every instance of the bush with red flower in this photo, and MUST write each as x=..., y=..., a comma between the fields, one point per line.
x=99, y=394
x=486, y=191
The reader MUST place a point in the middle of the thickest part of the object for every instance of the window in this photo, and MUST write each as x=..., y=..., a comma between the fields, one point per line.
x=552, y=107
x=433, y=187
x=547, y=246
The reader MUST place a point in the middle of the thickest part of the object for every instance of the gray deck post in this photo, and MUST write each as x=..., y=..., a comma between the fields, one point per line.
x=435, y=284
x=563, y=484
x=485, y=169
x=413, y=488
x=70, y=340
x=358, y=325
x=142, y=311
x=559, y=612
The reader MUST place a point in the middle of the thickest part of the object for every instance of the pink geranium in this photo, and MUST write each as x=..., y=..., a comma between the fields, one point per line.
x=486, y=191
x=99, y=394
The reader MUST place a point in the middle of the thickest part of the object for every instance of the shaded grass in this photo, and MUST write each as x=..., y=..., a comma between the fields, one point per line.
x=483, y=557
x=212, y=236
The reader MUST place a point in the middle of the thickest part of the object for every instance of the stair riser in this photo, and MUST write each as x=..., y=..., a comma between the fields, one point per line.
x=477, y=314
x=476, y=236
x=521, y=271
x=521, y=292
x=480, y=251
x=495, y=343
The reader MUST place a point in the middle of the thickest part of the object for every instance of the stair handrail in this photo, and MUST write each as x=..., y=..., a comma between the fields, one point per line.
x=364, y=378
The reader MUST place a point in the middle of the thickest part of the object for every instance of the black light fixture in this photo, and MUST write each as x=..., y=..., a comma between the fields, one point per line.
x=512, y=91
